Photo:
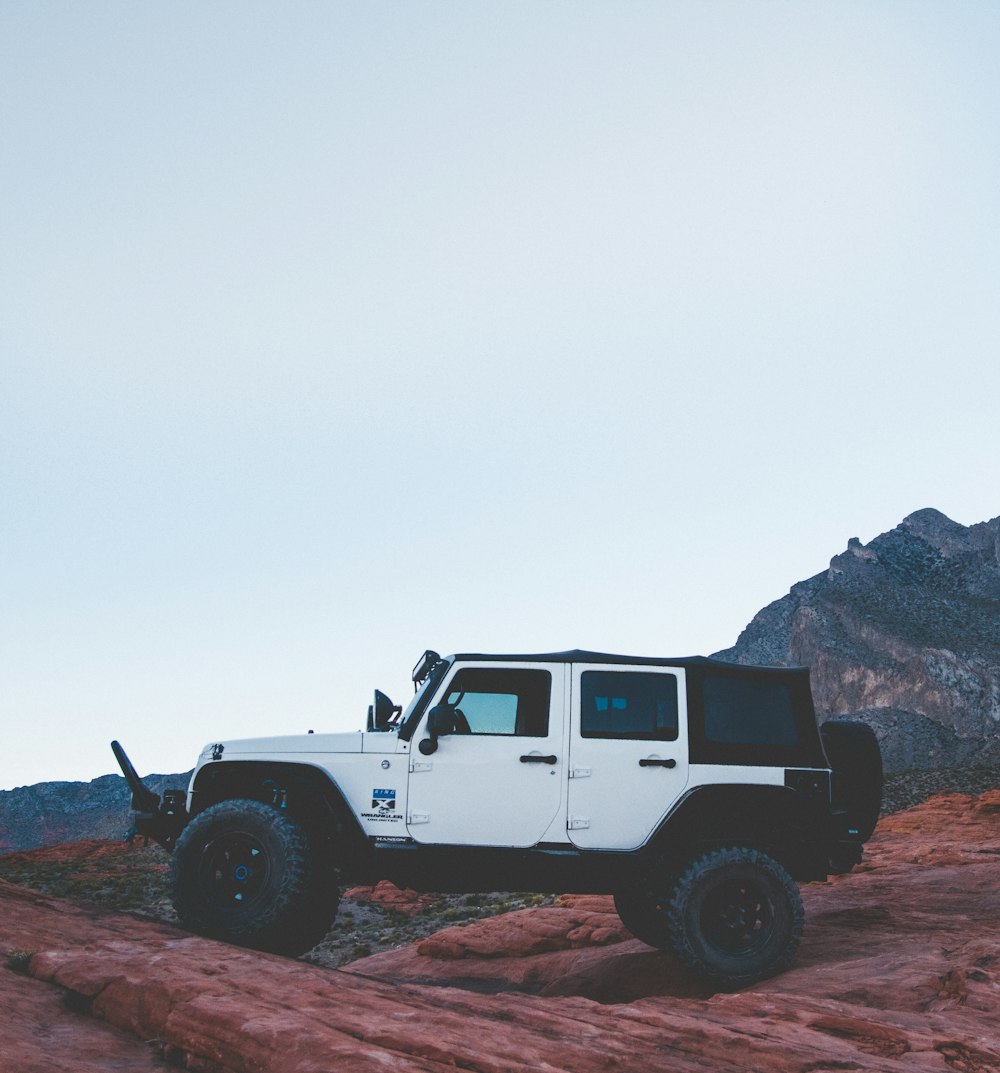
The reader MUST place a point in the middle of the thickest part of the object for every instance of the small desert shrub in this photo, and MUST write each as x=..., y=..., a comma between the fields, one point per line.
x=17, y=960
x=134, y=880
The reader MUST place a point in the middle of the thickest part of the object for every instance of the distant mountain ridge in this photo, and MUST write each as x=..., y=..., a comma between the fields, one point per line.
x=902, y=633
x=52, y=812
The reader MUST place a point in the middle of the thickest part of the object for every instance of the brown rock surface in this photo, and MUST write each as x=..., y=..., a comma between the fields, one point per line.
x=388, y=896
x=899, y=970
x=525, y=932
x=42, y=1035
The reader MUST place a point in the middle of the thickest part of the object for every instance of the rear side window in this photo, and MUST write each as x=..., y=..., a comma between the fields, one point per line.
x=741, y=711
x=501, y=701
x=626, y=704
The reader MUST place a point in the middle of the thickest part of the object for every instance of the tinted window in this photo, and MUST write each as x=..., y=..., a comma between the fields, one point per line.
x=623, y=704
x=501, y=701
x=741, y=711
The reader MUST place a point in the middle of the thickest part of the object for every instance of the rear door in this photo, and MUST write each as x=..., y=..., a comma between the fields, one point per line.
x=628, y=752
x=498, y=780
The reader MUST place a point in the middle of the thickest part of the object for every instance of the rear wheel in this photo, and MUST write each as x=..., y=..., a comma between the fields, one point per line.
x=245, y=872
x=735, y=916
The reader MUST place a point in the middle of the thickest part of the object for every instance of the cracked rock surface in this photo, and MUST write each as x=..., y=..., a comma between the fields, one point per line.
x=899, y=971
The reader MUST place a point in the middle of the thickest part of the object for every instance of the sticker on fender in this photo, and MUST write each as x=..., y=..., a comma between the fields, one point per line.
x=383, y=808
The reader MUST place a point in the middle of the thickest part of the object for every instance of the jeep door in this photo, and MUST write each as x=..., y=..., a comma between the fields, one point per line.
x=496, y=779
x=628, y=752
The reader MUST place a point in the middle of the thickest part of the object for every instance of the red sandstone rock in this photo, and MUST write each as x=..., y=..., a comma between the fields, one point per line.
x=899, y=971
x=524, y=932
x=92, y=849
x=41, y=1035
x=389, y=896
x=590, y=903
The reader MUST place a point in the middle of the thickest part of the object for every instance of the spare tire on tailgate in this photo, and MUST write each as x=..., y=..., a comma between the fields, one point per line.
x=854, y=755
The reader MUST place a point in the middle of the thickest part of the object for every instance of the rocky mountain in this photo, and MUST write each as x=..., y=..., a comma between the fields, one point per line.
x=51, y=812
x=902, y=633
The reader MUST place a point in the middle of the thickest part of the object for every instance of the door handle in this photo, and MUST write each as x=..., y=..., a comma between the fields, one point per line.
x=649, y=762
x=538, y=759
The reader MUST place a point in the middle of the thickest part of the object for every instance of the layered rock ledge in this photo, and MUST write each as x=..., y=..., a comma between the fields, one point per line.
x=899, y=971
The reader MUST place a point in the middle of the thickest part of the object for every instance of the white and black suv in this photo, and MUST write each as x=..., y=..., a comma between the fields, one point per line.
x=697, y=792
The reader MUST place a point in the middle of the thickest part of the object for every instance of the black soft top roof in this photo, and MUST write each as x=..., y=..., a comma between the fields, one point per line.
x=580, y=655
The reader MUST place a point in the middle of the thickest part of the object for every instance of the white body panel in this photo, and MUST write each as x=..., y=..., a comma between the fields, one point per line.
x=475, y=790
x=614, y=803
x=370, y=770
x=350, y=742
x=732, y=774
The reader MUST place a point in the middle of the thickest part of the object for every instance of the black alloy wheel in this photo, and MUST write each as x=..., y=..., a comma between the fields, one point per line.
x=735, y=916
x=248, y=874
x=234, y=869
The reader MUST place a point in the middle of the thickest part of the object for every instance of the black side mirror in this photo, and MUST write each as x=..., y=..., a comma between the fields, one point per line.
x=440, y=721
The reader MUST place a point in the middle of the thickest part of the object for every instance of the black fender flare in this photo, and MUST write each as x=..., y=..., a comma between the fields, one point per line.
x=788, y=824
x=309, y=793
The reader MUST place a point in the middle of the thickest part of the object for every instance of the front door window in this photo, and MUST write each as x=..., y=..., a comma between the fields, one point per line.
x=487, y=701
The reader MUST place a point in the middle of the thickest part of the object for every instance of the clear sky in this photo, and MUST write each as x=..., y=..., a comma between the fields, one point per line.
x=332, y=332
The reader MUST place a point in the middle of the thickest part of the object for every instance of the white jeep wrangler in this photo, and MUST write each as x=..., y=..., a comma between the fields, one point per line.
x=696, y=792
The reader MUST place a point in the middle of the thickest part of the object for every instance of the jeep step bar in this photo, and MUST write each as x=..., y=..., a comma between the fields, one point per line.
x=161, y=821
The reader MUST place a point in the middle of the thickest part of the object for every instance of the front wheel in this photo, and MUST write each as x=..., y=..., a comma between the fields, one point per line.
x=246, y=873
x=735, y=916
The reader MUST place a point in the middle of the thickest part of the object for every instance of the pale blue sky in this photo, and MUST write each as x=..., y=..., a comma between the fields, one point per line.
x=331, y=332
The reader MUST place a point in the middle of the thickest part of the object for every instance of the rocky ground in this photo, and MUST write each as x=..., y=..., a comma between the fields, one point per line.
x=134, y=879
x=899, y=971
x=906, y=788
x=113, y=875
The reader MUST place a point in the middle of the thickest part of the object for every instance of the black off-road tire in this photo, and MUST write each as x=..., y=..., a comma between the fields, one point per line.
x=735, y=916
x=856, y=759
x=246, y=873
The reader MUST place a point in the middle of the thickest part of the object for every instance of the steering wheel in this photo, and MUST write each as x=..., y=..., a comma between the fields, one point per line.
x=461, y=723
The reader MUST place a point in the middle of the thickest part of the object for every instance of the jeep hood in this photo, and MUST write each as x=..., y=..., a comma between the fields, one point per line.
x=290, y=743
